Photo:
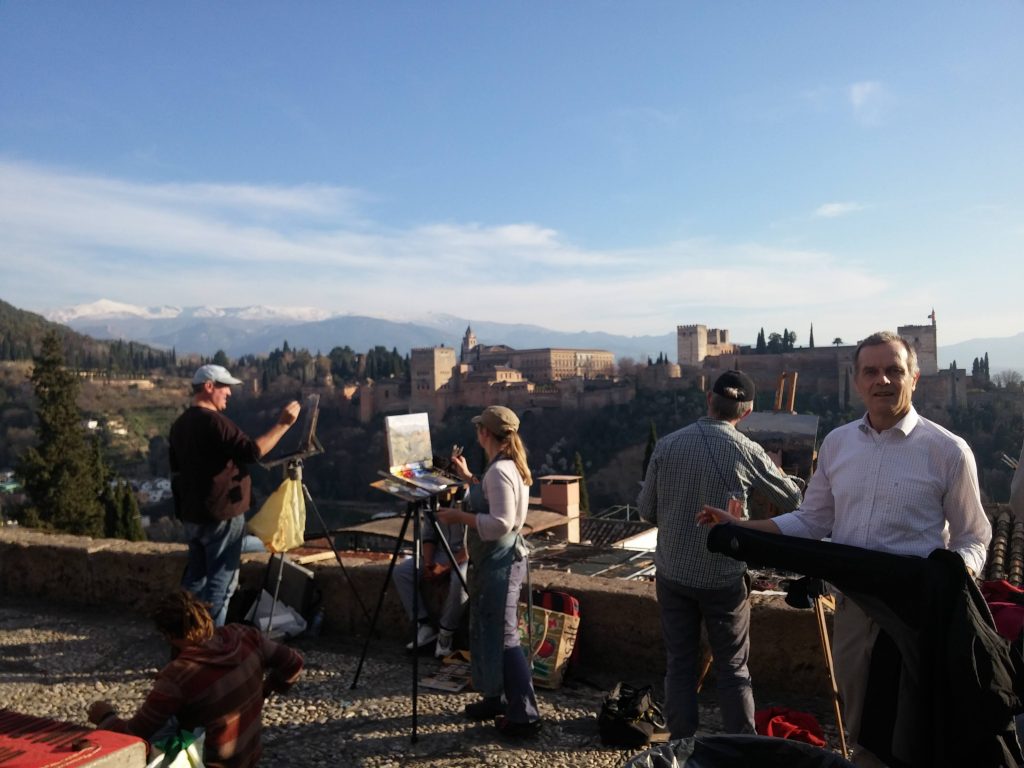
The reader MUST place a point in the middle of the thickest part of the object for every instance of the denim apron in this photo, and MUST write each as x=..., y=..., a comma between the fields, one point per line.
x=490, y=565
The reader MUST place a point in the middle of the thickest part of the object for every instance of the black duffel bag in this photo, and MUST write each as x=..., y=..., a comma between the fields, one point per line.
x=629, y=717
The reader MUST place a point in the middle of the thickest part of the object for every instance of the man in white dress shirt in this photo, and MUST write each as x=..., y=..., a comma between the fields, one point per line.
x=891, y=481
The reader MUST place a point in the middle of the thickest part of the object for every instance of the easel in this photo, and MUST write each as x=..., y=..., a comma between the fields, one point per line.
x=415, y=510
x=292, y=457
x=294, y=472
x=821, y=602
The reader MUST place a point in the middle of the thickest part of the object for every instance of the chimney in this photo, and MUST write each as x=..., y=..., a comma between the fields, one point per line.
x=561, y=494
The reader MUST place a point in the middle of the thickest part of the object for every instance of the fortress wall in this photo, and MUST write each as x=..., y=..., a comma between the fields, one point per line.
x=620, y=634
x=822, y=371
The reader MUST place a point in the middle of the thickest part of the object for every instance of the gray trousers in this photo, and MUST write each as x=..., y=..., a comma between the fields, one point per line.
x=405, y=583
x=854, y=638
x=726, y=615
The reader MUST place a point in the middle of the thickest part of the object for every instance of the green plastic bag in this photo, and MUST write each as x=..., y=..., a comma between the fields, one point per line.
x=281, y=522
x=182, y=750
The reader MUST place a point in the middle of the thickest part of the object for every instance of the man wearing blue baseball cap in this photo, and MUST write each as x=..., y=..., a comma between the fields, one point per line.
x=211, y=484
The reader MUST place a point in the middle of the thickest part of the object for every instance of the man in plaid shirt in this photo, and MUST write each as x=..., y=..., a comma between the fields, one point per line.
x=707, y=460
x=217, y=681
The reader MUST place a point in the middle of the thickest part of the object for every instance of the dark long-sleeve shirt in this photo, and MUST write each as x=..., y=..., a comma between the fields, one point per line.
x=208, y=455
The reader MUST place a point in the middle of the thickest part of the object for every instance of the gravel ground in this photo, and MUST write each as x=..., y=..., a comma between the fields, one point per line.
x=55, y=660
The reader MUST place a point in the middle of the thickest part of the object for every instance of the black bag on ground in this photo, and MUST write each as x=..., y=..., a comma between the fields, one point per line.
x=629, y=717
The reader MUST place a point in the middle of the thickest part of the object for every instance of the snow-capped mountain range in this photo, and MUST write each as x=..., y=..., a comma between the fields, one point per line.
x=104, y=309
x=259, y=329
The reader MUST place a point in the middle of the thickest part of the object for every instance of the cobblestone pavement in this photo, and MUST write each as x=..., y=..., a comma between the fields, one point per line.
x=55, y=660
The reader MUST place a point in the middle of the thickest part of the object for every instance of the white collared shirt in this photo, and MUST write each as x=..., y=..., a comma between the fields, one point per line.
x=907, y=490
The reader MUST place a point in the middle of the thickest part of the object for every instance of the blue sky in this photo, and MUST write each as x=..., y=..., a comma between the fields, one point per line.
x=623, y=167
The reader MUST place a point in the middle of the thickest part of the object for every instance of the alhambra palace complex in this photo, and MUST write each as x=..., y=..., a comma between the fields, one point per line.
x=478, y=375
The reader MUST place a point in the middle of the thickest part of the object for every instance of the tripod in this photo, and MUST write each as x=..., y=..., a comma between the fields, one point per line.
x=294, y=472
x=414, y=512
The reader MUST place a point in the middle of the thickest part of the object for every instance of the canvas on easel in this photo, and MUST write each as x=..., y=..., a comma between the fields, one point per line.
x=410, y=456
x=299, y=442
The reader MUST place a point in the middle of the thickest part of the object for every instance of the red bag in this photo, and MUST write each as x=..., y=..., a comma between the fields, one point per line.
x=1006, y=602
x=562, y=602
x=785, y=723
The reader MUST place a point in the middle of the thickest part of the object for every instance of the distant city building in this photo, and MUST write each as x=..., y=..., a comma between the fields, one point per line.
x=704, y=353
x=497, y=375
x=431, y=368
x=696, y=342
x=542, y=366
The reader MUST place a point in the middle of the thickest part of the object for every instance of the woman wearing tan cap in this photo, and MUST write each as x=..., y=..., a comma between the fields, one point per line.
x=501, y=672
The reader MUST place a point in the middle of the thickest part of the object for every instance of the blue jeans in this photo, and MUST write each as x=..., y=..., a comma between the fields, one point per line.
x=726, y=614
x=214, y=556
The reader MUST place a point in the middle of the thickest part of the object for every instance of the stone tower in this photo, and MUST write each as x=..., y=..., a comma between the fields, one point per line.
x=923, y=339
x=695, y=342
x=468, y=345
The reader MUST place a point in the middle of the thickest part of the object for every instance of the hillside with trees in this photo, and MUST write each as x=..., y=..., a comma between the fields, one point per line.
x=69, y=485
x=22, y=334
x=607, y=443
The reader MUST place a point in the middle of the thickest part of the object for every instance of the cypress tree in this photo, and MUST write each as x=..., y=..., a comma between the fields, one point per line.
x=131, y=520
x=652, y=440
x=109, y=495
x=584, y=496
x=59, y=473
x=810, y=338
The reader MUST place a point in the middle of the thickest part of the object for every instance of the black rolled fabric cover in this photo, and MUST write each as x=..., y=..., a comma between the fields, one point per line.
x=944, y=685
x=737, y=752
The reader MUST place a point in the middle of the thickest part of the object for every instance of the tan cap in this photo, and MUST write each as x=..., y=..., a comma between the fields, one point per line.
x=498, y=420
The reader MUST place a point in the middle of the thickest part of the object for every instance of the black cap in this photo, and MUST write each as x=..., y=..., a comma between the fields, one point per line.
x=735, y=385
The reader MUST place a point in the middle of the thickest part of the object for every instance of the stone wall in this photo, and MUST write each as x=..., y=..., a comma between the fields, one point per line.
x=620, y=635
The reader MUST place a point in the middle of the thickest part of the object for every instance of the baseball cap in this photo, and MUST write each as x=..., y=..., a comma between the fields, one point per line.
x=498, y=420
x=218, y=374
x=735, y=385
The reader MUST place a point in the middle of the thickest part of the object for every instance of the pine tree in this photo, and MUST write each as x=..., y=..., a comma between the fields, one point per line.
x=59, y=473
x=652, y=440
x=584, y=496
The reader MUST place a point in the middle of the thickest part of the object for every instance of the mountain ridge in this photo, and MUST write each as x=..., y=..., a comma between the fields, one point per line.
x=259, y=329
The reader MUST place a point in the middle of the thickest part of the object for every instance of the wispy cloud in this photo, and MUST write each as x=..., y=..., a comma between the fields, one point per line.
x=68, y=238
x=835, y=210
x=868, y=98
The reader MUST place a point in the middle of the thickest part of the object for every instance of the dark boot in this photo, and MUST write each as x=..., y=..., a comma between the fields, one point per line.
x=486, y=708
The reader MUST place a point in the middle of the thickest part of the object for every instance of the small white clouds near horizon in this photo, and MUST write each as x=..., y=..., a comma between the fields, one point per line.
x=835, y=210
x=69, y=239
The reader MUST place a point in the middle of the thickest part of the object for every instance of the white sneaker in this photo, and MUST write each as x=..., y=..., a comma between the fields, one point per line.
x=444, y=643
x=425, y=635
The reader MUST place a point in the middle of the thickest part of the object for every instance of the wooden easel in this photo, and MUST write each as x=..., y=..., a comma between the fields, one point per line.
x=820, y=604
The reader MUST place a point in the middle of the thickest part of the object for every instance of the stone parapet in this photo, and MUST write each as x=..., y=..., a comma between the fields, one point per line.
x=620, y=632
